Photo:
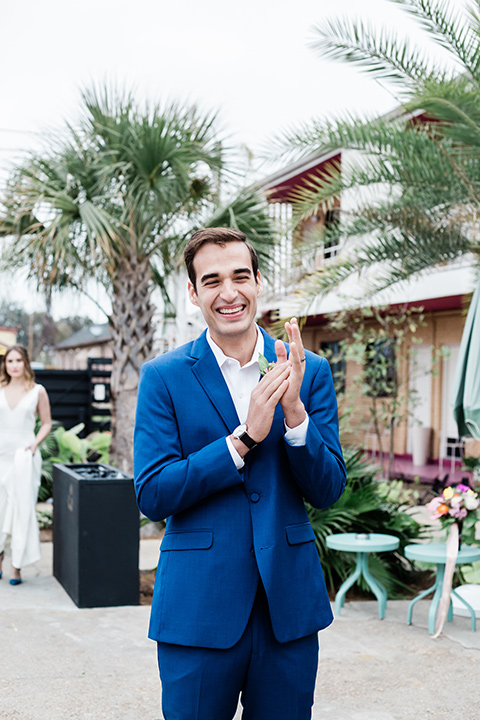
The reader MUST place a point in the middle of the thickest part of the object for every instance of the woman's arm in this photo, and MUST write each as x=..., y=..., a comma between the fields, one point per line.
x=43, y=409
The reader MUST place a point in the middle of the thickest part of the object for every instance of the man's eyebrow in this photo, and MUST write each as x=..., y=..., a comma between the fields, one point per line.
x=214, y=275
x=208, y=276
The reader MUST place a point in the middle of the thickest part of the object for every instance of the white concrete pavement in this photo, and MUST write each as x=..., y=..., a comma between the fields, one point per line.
x=59, y=662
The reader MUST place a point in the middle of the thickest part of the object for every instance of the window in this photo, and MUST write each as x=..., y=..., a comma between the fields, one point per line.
x=331, y=246
x=333, y=352
x=380, y=368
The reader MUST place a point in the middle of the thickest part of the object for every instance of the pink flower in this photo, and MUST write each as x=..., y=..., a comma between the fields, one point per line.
x=458, y=512
x=433, y=507
x=462, y=488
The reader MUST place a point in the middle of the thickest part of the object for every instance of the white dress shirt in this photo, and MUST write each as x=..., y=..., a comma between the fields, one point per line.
x=241, y=380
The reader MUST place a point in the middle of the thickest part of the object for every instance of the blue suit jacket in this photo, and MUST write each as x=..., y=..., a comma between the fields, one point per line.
x=224, y=526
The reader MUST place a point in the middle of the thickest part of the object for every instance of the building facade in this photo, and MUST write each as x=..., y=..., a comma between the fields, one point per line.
x=425, y=359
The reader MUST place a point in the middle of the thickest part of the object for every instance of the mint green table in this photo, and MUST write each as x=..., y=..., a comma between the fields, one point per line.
x=362, y=544
x=437, y=553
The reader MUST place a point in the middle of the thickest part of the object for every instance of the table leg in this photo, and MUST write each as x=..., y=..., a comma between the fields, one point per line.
x=346, y=585
x=420, y=596
x=469, y=607
x=432, y=612
x=376, y=587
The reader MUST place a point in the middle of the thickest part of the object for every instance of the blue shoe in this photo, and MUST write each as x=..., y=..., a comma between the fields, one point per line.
x=1, y=575
x=15, y=581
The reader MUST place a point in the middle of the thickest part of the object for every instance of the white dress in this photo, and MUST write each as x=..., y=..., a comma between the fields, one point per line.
x=19, y=478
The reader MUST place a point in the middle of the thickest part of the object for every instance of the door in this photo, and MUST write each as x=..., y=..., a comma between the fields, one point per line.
x=420, y=390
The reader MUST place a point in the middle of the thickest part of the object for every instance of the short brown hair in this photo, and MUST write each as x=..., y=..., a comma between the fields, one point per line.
x=29, y=374
x=217, y=236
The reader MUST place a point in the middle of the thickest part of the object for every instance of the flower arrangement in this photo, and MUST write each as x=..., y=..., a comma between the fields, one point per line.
x=456, y=504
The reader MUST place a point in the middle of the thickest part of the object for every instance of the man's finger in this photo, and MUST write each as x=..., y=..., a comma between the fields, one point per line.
x=295, y=338
x=281, y=351
x=272, y=379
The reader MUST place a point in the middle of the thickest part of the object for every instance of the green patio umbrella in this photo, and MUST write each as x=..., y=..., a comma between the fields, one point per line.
x=466, y=383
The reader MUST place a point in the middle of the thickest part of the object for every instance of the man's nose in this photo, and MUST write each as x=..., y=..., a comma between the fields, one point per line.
x=229, y=292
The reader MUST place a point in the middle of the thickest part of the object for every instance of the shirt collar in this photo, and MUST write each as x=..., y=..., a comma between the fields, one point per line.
x=221, y=358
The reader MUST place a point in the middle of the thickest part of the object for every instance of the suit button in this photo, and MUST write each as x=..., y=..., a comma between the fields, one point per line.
x=254, y=497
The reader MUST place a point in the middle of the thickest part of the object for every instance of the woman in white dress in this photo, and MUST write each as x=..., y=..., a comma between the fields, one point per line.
x=21, y=400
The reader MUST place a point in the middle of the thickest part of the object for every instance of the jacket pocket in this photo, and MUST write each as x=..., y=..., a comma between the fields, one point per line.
x=299, y=533
x=187, y=540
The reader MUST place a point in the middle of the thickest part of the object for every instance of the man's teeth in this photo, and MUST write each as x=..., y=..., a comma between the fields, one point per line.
x=230, y=311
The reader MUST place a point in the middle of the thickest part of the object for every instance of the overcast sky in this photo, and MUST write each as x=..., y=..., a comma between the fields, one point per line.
x=250, y=61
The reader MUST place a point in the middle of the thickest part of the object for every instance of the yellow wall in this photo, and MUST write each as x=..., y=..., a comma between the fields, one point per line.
x=7, y=339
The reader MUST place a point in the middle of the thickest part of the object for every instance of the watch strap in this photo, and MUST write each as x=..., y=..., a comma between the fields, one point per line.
x=248, y=441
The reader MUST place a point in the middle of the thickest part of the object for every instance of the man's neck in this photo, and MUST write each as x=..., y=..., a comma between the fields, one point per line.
x=239, y=348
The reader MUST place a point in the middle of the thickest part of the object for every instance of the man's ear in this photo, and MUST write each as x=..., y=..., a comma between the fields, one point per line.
x=259, y=284
x=192, y=294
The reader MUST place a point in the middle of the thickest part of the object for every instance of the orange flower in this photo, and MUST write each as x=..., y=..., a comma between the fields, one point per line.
x=443, y=509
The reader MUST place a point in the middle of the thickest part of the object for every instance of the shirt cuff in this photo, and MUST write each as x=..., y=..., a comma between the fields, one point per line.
x=297, y=436
x=239, y=461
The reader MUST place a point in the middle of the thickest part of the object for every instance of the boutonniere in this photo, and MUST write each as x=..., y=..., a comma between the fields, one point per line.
x=264, y=365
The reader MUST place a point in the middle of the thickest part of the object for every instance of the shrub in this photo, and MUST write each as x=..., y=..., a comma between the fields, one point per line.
x=366, y=507
x=65, y=446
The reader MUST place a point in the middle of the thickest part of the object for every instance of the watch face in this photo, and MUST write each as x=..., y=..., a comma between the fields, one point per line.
x=239, y=430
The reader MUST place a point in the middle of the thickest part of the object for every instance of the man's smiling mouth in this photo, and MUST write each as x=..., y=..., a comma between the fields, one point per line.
x=232, y=310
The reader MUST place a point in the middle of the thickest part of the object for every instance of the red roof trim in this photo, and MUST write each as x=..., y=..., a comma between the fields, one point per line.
x=453, y=302
x=282, y=191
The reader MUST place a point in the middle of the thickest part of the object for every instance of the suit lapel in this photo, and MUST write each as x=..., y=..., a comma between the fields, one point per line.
x=210, y=377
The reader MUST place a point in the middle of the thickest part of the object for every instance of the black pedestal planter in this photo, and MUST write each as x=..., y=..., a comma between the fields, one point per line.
x=95, y=535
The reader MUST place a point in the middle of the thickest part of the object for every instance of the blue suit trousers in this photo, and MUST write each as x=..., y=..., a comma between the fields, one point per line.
x=275, y=681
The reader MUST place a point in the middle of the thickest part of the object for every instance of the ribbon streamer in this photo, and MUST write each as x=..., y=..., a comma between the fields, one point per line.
x=452, y=552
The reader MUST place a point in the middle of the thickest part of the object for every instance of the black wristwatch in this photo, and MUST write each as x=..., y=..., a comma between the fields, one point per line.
x=240, y=432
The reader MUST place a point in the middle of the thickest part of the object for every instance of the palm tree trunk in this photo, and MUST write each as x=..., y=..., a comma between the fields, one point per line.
x=132, y=333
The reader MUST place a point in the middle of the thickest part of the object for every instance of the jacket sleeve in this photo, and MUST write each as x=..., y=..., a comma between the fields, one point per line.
x=166, y=482
x=318, y=466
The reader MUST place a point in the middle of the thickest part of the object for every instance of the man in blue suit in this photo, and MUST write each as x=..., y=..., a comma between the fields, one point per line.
x=228, y=459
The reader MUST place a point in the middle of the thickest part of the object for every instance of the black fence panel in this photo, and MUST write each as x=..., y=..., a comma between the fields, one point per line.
x=99, y=372
x=76, y=396
x=69, y=394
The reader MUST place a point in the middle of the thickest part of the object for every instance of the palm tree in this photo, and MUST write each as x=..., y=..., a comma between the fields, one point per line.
x=417, y=182
x=114, y=201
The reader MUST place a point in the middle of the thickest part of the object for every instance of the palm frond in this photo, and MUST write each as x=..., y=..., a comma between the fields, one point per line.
x=380, y=53
x=448, y=28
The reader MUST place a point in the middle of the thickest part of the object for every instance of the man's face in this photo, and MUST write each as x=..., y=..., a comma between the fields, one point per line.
x=227, y=289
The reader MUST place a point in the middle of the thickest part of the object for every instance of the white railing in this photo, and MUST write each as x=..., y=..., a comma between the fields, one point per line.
x=290, y=264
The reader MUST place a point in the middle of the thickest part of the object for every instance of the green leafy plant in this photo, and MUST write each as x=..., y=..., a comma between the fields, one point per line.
x=71, y=448
x=98, y=448
x=48, y=449
x=366, y=506
x=65, y=446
